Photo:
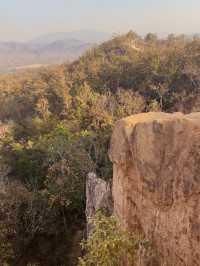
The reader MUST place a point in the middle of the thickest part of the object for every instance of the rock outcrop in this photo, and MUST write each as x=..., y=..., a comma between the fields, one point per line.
x=98, y=197
x=156, y=183
x=4, y=169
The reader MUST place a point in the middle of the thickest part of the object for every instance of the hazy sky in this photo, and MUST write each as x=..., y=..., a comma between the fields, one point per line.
x=25, y=19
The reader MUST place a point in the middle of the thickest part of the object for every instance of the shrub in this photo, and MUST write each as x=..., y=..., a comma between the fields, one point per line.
x=109, y=244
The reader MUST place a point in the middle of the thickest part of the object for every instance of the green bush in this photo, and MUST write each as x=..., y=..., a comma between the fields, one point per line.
x=109, y=244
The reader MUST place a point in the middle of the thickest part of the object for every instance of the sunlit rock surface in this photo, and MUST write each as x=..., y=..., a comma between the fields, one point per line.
x=156, y=183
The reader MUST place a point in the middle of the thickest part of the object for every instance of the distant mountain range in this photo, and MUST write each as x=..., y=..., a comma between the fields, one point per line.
x=53, y=48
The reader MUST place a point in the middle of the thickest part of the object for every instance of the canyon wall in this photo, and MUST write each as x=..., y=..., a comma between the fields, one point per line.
x=4, y=169
x=156, y=184
x=98, y=198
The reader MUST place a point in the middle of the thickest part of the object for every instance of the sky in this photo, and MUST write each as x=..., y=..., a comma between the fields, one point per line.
x=27, y=19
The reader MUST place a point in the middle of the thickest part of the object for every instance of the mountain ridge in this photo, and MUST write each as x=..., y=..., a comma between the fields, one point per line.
x=55, y=48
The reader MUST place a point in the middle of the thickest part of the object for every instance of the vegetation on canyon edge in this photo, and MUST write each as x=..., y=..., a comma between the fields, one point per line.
x=58, y=122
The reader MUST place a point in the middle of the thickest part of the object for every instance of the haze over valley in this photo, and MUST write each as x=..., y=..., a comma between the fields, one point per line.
x=54, y=48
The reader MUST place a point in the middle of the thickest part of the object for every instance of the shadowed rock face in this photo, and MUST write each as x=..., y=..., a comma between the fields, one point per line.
x=98, y=197
x=4, y=169
x=156, y=183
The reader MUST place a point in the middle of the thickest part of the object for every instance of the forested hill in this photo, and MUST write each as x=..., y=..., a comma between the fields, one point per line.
x=59, y=121
x=158, y=70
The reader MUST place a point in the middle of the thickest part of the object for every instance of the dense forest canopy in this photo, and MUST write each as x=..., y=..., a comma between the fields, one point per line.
x=57, y=124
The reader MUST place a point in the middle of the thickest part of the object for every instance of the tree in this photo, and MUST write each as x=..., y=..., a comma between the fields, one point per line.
x=151, y=38
x=109, y=244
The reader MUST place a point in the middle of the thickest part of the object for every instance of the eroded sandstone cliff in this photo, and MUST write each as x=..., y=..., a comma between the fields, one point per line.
x=156, y=184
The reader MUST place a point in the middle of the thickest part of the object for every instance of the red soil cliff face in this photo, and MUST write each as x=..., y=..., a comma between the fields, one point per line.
x=156, y=183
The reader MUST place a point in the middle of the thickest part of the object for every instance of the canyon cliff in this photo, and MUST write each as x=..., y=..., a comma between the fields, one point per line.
x=98, y=197
x=156, y=184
